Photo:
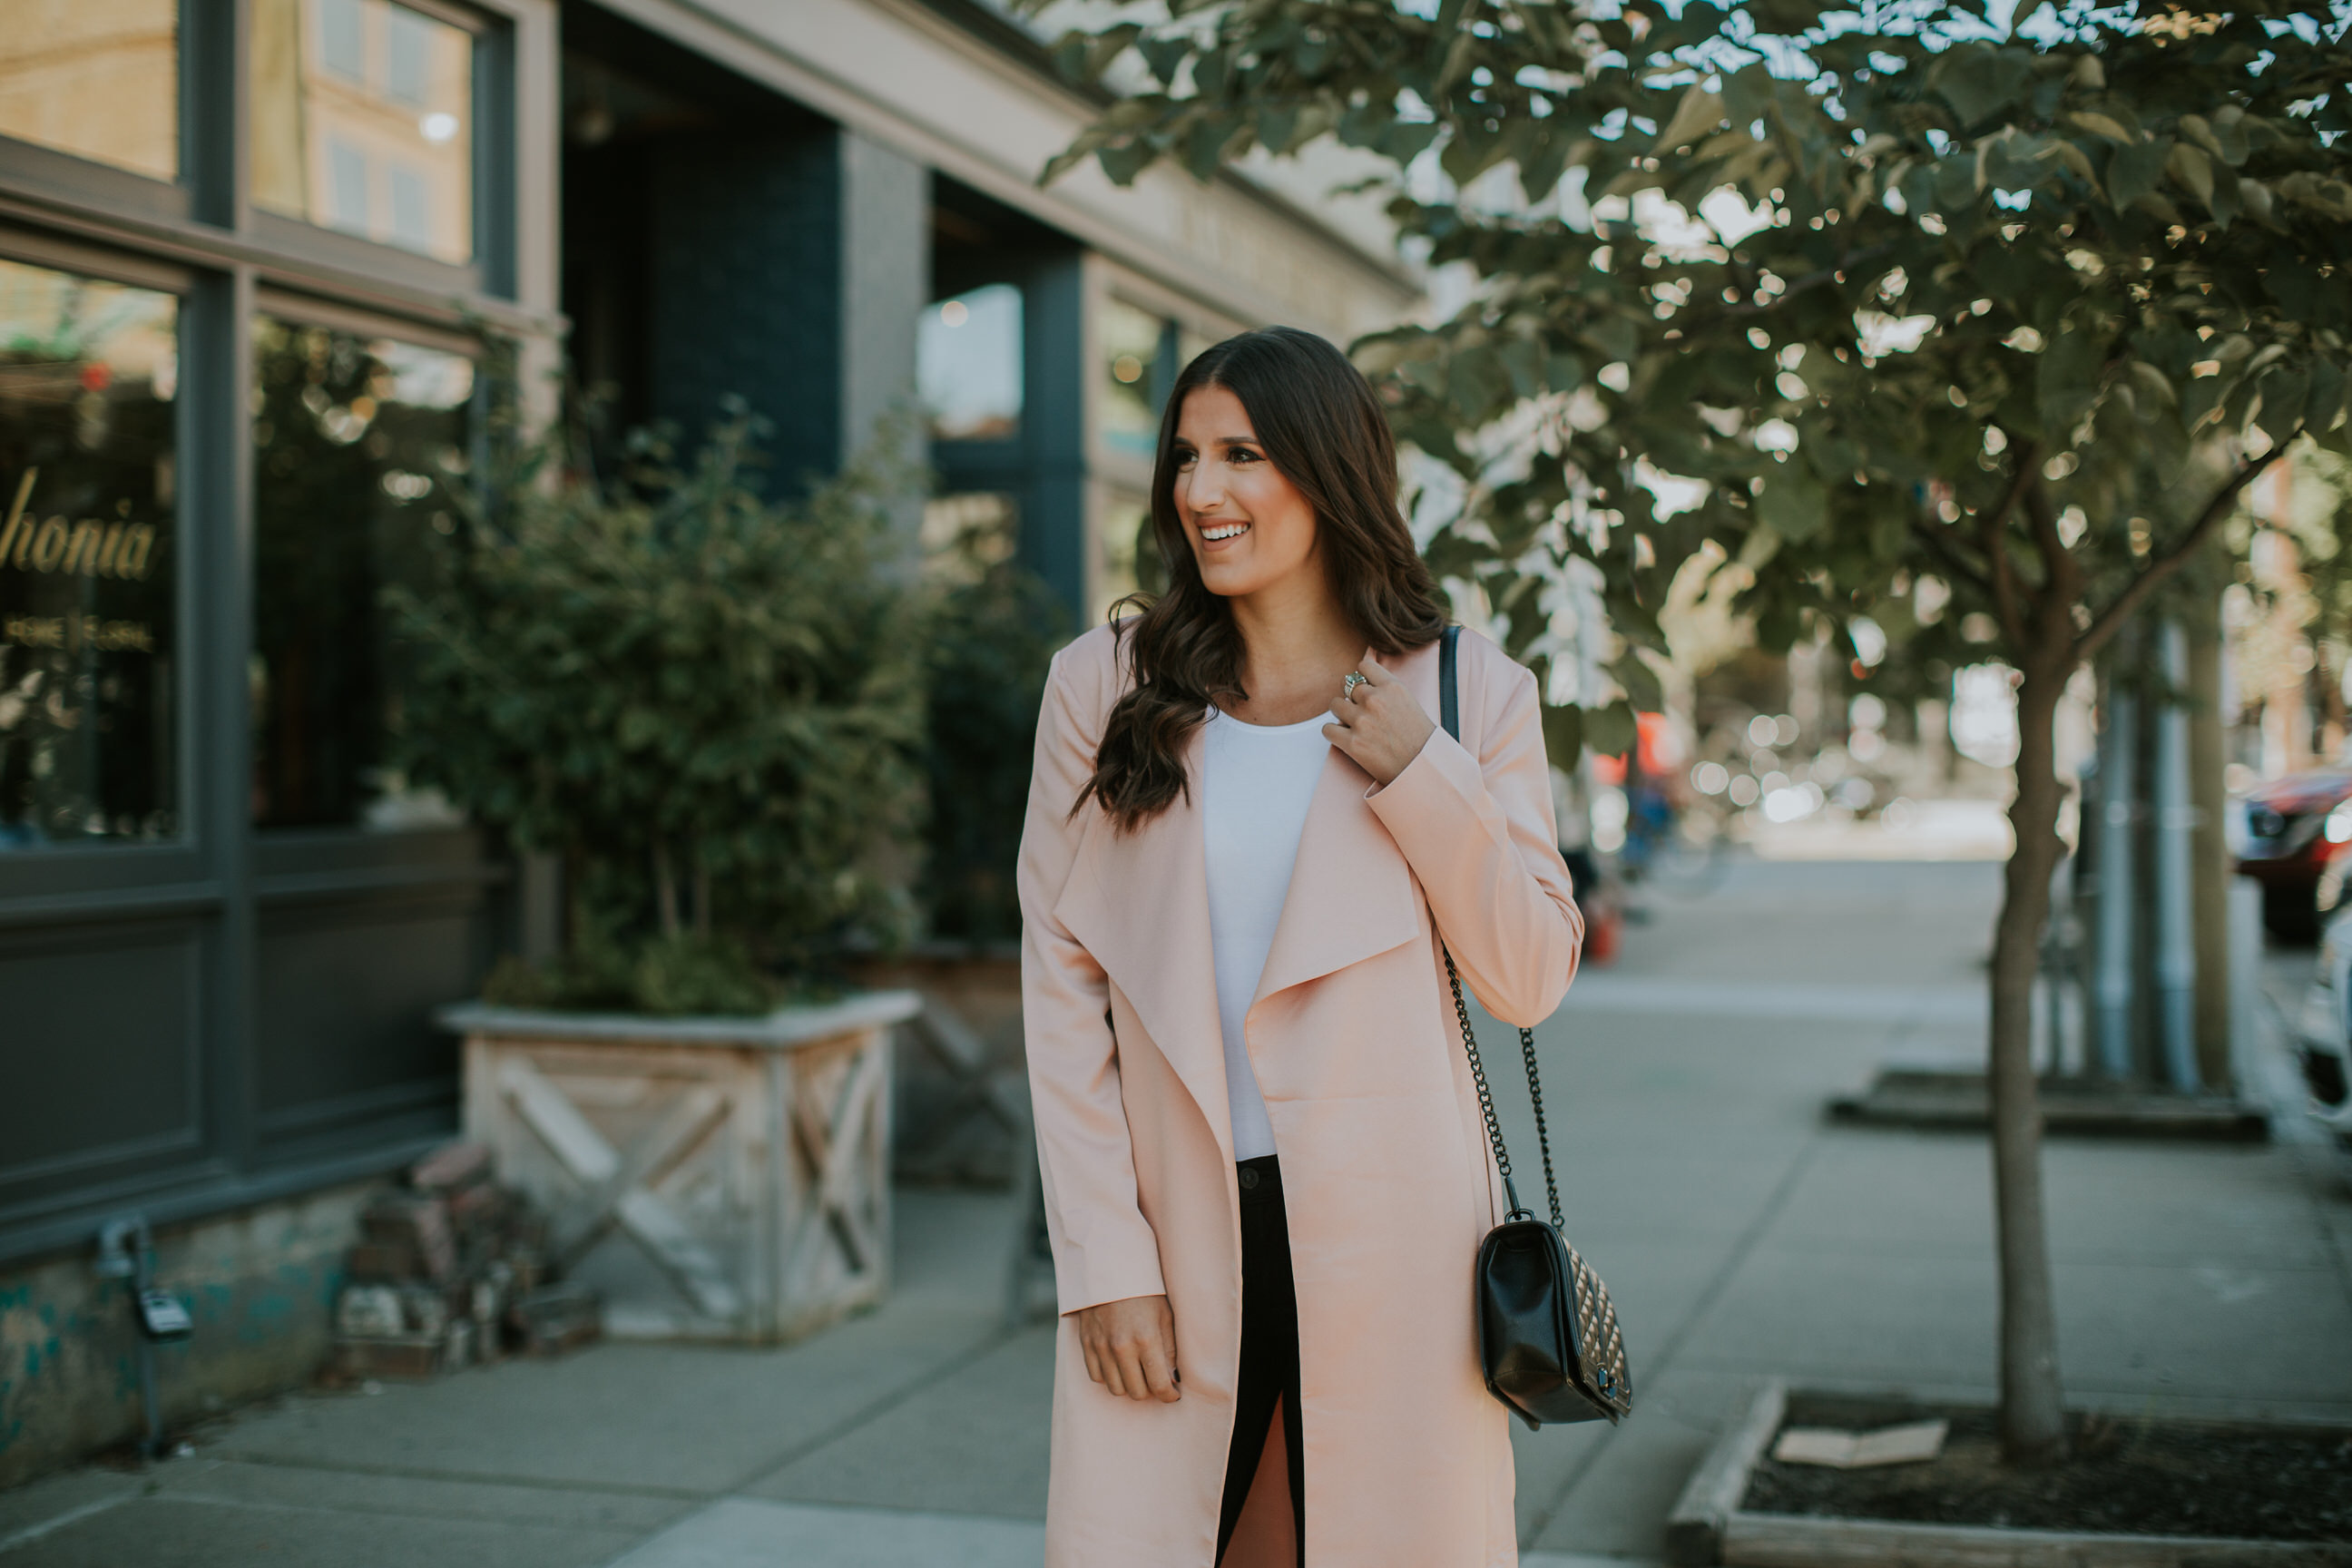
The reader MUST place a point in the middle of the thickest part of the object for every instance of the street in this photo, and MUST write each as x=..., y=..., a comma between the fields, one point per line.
x=1741, y=1234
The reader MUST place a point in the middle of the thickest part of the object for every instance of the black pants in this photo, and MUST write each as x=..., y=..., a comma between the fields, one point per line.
x=1269, y=1369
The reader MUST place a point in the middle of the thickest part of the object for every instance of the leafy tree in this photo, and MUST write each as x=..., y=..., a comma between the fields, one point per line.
x=1912, y=294
x=708, y=704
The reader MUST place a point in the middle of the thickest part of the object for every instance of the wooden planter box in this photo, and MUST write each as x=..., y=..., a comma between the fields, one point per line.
x=1709, y=1527
x=717, y=1178
x=960, y=1077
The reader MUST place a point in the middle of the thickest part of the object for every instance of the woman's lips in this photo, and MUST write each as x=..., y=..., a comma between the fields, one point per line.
x=1223, y=532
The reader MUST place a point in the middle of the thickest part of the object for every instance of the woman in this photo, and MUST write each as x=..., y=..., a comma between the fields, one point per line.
x=1264, y=1170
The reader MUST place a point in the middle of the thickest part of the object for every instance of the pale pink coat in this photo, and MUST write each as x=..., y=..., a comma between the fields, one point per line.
x=1385, y=1168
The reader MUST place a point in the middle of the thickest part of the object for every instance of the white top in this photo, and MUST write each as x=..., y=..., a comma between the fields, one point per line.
x=1256, y=782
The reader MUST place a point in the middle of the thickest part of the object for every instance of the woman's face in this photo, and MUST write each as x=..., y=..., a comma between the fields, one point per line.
x=1248, y=526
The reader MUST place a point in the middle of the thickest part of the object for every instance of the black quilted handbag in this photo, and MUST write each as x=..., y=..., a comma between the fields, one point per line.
x=1547, y=1339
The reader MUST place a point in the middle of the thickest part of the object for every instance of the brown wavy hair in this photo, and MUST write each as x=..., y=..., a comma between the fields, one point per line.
x=1323, y=430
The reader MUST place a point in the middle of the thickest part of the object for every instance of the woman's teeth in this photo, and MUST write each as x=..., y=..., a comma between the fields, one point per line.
x=1224, y=530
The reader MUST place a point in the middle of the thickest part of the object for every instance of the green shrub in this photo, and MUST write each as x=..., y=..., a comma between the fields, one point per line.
x=709, y=705
x=992, y=635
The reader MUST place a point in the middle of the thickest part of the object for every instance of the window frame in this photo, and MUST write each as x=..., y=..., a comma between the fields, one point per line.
x=200, y=238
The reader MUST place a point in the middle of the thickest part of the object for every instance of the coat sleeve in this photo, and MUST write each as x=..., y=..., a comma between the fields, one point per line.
x=1478, y=833
x=1104, y=1249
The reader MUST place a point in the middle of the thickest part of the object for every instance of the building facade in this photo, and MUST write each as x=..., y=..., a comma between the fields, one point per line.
x=249, y=250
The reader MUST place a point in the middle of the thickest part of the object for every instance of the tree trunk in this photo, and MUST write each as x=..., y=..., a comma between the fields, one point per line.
x=2032, y=1417
x=2207, y=754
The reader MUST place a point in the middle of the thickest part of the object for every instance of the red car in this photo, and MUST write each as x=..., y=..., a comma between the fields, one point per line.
x=2296, y=831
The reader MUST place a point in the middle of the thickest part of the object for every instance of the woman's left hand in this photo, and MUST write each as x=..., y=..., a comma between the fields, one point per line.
x=1381, y=727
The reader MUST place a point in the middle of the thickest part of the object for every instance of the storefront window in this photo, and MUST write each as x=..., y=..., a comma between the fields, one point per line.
x=967, y=365
x=98, y=78
x=87, y=560
x=1130, y=556
x=362, y=120
x=1134, y=377
x=356, y=439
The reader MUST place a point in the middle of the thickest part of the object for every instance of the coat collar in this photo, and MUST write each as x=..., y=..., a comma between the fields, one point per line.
x=1139, y=903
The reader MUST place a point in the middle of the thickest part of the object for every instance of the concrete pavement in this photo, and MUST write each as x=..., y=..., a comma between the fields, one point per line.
x=1741, y=1237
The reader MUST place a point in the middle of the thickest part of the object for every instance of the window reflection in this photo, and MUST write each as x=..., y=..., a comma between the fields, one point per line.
x=98, y=78
x=1137, y=348
x=362, y=120
x=1130, y=555
x=352, y=437
x=967, y=365
x=87, y=560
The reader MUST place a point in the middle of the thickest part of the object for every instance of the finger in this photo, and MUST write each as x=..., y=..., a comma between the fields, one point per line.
x=1156, y=1374
x=1094, y=1367
x=1373, y=670
x=1340, y=736
x=1130, y=1369
x=1343, y=713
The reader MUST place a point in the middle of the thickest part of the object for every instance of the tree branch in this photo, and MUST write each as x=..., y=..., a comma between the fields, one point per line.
x=2062, y=574
x=1941, y=548
x=1996, y=550
x=2110, y=620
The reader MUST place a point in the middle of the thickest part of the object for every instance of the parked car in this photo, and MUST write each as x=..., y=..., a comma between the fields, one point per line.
x=2294, y=836
x=2324, y=1037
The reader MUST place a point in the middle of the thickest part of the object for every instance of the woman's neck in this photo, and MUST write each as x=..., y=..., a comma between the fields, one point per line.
x=1297, y=647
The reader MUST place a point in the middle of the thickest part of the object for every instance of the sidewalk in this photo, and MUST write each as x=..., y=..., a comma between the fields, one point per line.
x=1740, y=1235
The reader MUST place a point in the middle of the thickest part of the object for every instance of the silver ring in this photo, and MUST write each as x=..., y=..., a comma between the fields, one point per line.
x=1355, y=678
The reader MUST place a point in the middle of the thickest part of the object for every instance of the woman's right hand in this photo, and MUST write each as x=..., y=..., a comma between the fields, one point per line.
x=1131, y=1347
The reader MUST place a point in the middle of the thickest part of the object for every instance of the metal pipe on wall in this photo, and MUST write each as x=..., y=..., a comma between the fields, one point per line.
x=2176, y=821
x=2112, y=957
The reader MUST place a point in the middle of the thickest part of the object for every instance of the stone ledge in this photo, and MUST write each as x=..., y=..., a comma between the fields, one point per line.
x=783, y=1028
x=1959, y=1102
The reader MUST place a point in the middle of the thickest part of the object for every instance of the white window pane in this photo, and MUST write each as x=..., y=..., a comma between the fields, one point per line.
x=342, y=45
x=412, y=221
x=968, y=364
x=347, y=176
x=408, y=39
x=361, y=121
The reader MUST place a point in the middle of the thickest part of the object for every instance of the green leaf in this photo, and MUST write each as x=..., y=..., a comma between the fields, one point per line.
x=1563, y=733
x=1698, y=112
x=2134, y=169
x=1979, y=81
x=1165, y=56
x=1793, y=503
x=2326, y=399
x=1126, y=159
x=2192, y=169
x=1611, y=732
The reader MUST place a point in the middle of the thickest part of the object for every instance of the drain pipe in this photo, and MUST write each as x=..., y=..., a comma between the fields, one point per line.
x=126, y=1251
x=2119, y=755
x=2176, y=823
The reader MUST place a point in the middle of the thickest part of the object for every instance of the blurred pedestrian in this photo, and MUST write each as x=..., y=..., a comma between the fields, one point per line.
x=1265, y=1167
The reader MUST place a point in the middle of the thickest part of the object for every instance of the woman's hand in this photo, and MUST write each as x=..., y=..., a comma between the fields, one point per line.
x=1380, y=726
x=1131, y=1347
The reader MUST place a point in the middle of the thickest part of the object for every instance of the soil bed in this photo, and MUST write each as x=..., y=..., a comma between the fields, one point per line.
x=2128, y=1476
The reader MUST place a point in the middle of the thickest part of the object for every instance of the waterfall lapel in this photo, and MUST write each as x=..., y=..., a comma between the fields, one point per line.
x=1351, y=894
x=1140, y=903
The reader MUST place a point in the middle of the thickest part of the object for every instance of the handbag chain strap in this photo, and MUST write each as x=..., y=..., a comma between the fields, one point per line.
x=1449, y=706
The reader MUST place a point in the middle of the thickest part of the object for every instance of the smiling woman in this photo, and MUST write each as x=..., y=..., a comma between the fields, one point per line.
x=1244, y=831
x=1293, y=405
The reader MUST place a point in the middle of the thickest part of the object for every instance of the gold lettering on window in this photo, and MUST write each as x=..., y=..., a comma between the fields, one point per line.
x=50, y=547
x=91, y=547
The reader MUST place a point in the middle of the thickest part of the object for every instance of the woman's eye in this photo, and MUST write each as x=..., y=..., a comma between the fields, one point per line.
x=1240, y=456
